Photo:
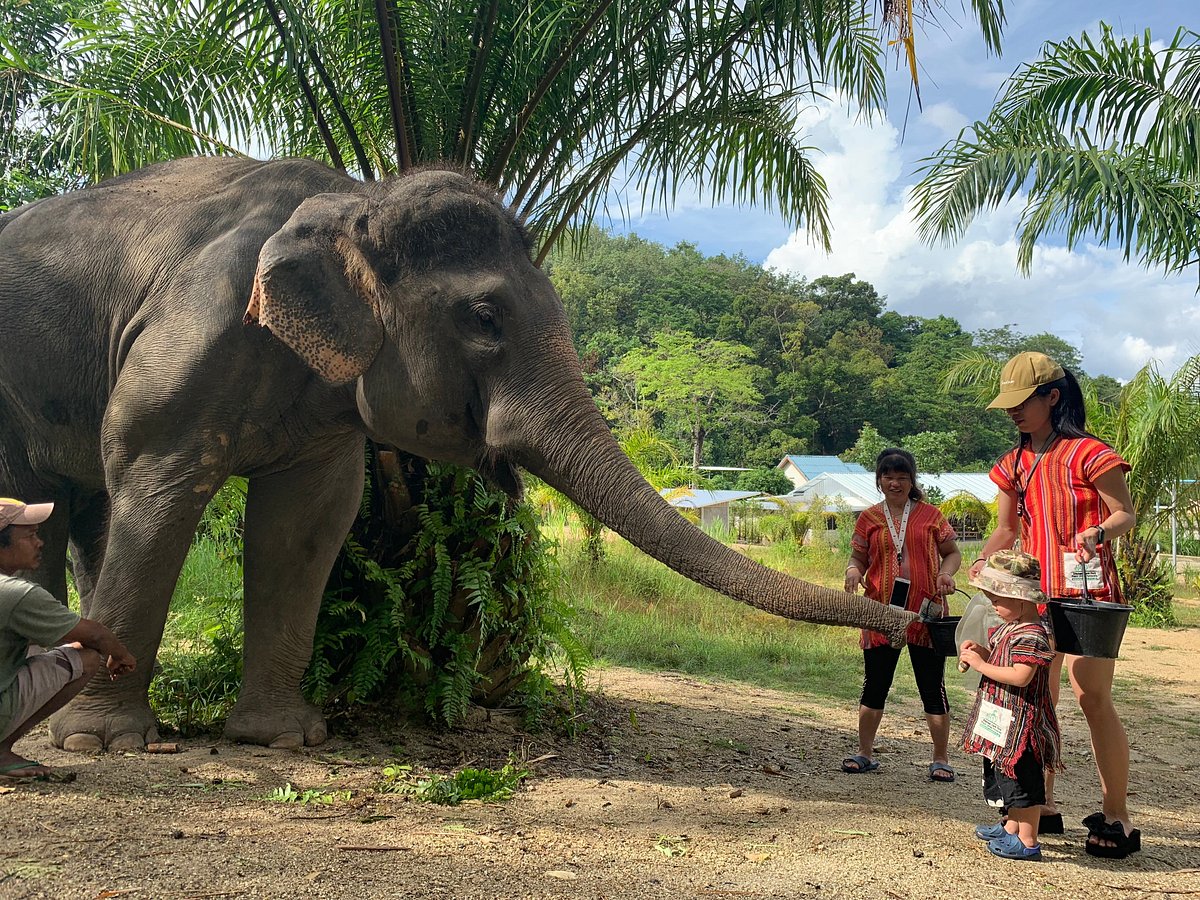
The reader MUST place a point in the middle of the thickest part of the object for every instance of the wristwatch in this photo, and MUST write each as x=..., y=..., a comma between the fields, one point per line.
x=1099, y=535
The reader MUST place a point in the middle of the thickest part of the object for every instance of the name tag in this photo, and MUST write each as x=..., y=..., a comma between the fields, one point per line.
x=992, y=723
x=1074, y=572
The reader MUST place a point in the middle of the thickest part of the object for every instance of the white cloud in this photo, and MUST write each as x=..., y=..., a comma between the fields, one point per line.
x=1120, y=316
x=945, y=119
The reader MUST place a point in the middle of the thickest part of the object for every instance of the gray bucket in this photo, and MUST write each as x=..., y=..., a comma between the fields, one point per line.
x=1090, y=628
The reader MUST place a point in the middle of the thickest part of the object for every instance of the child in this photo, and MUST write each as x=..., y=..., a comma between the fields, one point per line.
x=1013, y=725
x=32, y=686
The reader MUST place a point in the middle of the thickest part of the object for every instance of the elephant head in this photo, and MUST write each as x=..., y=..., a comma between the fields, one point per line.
x=422, y=292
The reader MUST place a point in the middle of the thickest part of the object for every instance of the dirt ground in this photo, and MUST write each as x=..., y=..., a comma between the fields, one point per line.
x=677, y=788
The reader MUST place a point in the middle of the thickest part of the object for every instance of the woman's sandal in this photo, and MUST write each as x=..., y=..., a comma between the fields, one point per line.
x=1120, y=844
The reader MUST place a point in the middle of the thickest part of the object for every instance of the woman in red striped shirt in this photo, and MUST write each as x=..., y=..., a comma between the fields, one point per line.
x=1063, y=493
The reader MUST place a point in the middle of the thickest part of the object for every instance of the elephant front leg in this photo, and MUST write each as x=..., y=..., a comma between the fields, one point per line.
x=154, y=512
x=296, y=522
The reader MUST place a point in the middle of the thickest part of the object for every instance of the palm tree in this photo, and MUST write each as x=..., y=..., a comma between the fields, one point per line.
x=555, y=103
x=1101, y=134
x=1154, y=424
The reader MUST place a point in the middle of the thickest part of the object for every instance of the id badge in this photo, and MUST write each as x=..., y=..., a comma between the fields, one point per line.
x=992, y=723
x=1074, y=571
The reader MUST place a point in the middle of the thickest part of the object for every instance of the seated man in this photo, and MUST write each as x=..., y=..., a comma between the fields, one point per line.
x=34, y=685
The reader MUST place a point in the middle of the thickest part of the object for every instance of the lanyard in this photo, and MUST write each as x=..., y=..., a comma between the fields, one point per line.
x=1022, y=489
x=898, y=534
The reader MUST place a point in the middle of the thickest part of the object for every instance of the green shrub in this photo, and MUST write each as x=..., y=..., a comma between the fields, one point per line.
x=470, y=610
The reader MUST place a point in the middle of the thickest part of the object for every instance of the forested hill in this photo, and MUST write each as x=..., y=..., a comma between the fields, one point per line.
x=749, y=365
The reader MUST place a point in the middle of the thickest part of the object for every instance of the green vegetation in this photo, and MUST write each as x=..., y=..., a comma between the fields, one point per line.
x=486, y=785
x=1098, y=137
x=310, y=797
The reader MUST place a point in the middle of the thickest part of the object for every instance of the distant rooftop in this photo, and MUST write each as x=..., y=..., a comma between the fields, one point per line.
x=812, y=466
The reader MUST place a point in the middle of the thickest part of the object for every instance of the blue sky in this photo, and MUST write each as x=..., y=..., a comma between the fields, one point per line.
x=1119, y=315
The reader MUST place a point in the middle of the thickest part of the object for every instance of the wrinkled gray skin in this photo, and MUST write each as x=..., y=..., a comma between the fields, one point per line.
x=131, y=386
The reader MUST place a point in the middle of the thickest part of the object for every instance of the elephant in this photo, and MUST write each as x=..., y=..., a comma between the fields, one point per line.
x=207, y=317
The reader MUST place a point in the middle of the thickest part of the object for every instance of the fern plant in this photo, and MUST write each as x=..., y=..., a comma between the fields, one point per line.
x=461, y=611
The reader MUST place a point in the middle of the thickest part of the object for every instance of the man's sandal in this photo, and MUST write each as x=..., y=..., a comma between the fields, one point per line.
x=856, y=765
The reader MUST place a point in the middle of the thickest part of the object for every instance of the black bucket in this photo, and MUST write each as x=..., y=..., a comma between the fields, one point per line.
x=1092, y=628
x=941, y=633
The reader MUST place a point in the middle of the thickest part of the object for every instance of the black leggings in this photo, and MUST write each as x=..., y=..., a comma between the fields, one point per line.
x=929, y=669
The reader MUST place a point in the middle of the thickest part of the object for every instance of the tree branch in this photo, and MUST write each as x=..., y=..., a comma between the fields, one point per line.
x=485, y=31
x=395, y=89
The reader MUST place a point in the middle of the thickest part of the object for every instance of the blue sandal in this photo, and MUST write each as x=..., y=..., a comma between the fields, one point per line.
x=1011, y=847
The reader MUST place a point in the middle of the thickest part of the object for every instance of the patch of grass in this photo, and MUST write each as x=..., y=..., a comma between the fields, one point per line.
x=634, y=611
x=289, y=794
x=486, y=785
x=672, y=846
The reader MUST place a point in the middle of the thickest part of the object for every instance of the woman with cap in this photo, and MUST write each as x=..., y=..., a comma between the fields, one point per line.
x=1063, y=494
x=904, y=553
x=1012, y=724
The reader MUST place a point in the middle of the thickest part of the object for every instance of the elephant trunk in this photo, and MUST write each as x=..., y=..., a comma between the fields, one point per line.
x=577, y=455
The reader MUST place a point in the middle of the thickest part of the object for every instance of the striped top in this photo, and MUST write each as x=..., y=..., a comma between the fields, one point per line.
x=927, y=528
x=1034, y=725
x=1061, y=500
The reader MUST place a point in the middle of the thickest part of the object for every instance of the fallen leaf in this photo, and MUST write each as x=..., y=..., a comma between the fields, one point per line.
x=564, y=874
x=758, y=857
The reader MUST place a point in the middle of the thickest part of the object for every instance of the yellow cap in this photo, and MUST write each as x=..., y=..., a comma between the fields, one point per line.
x=1022, y=375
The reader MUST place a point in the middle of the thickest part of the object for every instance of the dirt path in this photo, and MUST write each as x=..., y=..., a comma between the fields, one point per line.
x=678, y=788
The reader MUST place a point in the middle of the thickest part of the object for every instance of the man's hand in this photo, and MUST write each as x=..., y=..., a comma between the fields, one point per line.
x=120, y=662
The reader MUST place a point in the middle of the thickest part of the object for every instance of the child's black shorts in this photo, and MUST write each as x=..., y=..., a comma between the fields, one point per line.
x=1027, y=789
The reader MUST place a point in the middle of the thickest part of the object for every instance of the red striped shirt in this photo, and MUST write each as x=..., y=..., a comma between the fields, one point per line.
x=1061, y=500
x=927, y=528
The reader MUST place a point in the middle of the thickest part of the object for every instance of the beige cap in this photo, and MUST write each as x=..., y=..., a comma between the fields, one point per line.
x=15, y=512
x=1022, y=375
x=1011, y=573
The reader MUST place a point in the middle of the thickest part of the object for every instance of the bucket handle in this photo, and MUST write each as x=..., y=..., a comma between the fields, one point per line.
x=957, y=590
x=1087, y=598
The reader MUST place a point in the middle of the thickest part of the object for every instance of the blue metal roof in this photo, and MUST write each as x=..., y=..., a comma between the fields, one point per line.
x=812, y=466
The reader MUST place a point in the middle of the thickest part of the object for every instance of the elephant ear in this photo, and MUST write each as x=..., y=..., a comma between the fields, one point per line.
x=316, y=291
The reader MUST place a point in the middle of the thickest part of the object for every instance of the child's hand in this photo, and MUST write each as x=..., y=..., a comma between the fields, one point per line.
x=970, y=657
x=973, y=645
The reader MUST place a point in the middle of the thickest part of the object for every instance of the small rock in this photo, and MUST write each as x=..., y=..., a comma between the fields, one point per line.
x=735, y=793
x=177, y=834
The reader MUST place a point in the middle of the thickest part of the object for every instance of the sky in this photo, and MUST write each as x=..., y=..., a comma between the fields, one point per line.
x=1119, y=315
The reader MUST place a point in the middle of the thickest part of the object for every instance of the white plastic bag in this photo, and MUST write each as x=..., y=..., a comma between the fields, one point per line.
x=978, y=618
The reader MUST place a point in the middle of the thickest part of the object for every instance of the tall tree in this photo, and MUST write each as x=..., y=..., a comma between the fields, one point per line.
x=704, y=383
x=1102, y=133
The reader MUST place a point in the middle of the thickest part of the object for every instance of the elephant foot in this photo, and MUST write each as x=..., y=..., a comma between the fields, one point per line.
x=90, y=729
x=276, y=726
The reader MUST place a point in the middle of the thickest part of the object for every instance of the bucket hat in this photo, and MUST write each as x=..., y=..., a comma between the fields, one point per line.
x=1022, y=375
x=1011, y=573
x=16, y=512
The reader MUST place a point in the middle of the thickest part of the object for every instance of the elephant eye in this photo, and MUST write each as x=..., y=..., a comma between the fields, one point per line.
x=487, y=316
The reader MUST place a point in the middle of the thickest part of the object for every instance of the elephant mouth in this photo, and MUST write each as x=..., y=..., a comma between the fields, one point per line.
x=493, y=465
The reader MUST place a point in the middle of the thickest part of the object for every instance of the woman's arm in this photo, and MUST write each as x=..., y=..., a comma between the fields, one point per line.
x=1114, y=491
x=855, y=569
x=951, y=560
x=1005, y=534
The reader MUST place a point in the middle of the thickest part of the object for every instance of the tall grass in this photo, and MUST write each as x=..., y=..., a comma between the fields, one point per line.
x=634, y=611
